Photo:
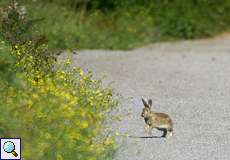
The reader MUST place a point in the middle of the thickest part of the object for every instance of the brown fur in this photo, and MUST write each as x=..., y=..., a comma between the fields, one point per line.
x=160, y=121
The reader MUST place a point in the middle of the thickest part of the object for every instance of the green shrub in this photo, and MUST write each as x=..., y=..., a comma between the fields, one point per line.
x=15, y=28
x=57, y=110
x=58, y=117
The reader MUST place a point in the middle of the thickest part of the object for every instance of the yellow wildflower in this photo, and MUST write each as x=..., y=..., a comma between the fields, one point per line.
x=84, y=125
x=81, y=73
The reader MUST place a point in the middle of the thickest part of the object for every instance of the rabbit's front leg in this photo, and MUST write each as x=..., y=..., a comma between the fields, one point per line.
x=148, y=129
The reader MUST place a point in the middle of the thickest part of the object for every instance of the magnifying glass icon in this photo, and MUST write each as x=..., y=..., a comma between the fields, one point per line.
x=9, y=147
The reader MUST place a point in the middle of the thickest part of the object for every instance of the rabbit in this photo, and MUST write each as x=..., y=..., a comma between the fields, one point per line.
x=160, y=121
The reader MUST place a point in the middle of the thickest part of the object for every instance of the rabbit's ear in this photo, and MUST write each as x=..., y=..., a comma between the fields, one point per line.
x=150, y=102
x=145, y=103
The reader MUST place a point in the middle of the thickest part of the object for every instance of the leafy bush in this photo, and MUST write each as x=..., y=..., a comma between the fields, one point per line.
x=58, y=117
x=15, y=27
x=34, y=59
x=57, y=110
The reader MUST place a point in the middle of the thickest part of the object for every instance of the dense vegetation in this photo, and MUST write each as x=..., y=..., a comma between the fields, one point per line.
x=124, y=24
x=59, y=111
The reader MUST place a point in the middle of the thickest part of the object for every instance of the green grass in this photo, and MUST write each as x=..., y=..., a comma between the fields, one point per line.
x=68, y=29
x=130, y=24
x=130, y=27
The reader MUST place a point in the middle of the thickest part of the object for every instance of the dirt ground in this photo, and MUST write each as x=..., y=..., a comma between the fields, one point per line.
x=189, y=80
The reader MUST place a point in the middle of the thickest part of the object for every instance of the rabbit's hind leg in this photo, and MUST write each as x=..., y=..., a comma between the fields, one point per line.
x=169, y=133
x=164, y=132
x=170, y=130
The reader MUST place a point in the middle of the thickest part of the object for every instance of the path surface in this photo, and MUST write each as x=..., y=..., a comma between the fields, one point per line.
x=189, y=80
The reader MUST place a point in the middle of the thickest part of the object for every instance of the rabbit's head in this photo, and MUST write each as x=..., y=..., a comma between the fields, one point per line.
x=147, y=108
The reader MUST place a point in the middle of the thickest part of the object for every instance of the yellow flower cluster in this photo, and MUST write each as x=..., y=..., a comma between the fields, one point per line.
x=57, y=112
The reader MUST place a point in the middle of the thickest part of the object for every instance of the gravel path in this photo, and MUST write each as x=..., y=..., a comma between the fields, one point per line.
x=189, y=80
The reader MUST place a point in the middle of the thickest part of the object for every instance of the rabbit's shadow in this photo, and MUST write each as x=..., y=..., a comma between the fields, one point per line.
x=146, y=137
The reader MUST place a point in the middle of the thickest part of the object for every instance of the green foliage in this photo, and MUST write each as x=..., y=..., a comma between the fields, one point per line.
x=115, y=30
x=34, y=59
x=104, y=5
x=191, y=19
x=125, y=24
x=59, y=116
x=7, y=72
x=15, y=28
x=57, y=110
